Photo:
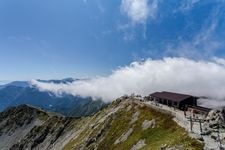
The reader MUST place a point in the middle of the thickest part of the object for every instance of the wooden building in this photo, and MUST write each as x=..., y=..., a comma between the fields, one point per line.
x=198, y=110
x=177, y=100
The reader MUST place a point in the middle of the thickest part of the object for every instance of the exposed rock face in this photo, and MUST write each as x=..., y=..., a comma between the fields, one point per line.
x=26, y=127
x=215, y=119
x=124, y=136
x=148, y=124
x=213, y=123
x=15, y=123
x=140, y=144
x=134, y=117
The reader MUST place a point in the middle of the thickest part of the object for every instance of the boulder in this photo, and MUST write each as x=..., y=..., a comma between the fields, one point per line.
x=140, y=144
x=148, y=124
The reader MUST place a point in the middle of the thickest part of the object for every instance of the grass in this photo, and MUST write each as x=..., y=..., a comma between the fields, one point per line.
x=165, y=132
x=78, y=125
x=42, y=116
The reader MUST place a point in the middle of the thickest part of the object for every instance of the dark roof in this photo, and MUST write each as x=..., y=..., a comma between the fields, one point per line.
x=171, y=96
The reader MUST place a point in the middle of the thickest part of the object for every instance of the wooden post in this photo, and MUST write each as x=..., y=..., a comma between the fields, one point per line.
x=200, y=124
x=191, y=123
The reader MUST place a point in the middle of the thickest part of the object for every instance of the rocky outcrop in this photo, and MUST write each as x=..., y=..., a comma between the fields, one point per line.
x=134, y=117
x=213, y=123
x=140, y=144
x=148, y=124
x=215, y=119
x=26, y=127
x=124, y=136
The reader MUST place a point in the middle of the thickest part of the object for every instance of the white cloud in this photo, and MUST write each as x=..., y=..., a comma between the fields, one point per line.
x=200, y=78
x=211, y=103
x=139, y=10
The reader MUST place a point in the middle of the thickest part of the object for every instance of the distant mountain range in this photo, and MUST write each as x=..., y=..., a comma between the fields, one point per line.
x=16, y=83
x=21, y=92
x=66, y=80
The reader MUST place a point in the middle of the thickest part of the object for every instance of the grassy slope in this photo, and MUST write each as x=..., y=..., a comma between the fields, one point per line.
x=165, y=132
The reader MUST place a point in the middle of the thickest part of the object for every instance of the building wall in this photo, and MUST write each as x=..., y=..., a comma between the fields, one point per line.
x=189, y=101
x=181, y=105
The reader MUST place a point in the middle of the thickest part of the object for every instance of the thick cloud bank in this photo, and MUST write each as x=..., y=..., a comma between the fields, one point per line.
x=200, y=78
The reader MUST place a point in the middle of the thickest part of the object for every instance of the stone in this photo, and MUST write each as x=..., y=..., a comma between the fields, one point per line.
x=163, y=147
x=134, y=117
x=148, y=124
x=124, y=136
x=140, y=144
x=214, y=136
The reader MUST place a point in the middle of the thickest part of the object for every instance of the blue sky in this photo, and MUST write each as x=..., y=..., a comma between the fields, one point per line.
x=84, y=38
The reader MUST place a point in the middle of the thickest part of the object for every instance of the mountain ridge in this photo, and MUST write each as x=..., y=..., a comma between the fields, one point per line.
x=126, y=123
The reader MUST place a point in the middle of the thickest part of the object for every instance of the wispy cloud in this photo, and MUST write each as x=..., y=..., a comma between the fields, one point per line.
x=204, y=44
x=139, y=10
x=187, y=5
x=200, y=78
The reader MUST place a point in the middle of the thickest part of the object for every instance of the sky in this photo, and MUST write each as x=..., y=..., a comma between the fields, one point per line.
x=48, y=39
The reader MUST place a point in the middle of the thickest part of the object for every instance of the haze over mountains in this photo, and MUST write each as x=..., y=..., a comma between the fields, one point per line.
x=22, y=92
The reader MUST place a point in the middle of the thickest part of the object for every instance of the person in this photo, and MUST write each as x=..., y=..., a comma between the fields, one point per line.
x=184, y=113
